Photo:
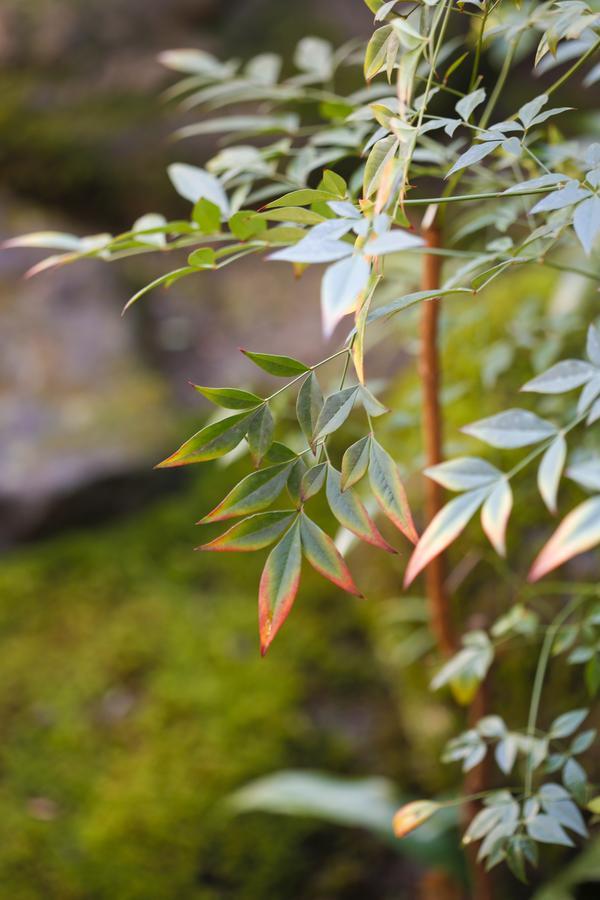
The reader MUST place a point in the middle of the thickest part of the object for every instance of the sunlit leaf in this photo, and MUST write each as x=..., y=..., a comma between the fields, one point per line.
x=341, y=288
x=279, y=584
x=464, y=473
x=444, y=528
x=193, y=183
x=564, y=376
x=412, y=815
x=495, y=514
x=512, y=428
x=550, y=470
x=579, y=531
x=473, y=155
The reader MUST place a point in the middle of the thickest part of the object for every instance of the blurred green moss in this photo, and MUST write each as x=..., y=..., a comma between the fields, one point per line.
x=133, y=699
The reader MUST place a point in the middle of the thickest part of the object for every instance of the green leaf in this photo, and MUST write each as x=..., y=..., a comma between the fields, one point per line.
x=279, y=584
x=376, y=52
x=254, y=493
x=382, y=151
x=372, y=405
x=210, y=442
x=208, y=216
x=246, y=224
x=564, y=376
x=467, y=104
x=203, y=258
x=282, y=366
x=351, y=513
x=388, y=490
x=336, y=409
x=303, y=197
x=586, y=221
x=167, y=280
x=309, y=405
x=253, y=533
x=260, y=432
x=355, y=462
x=464, y=473
x=230, y=398
x=312, y=481
x=323, y=555
x=579, y=531
x=294, y=481
x=333, y=183
x=296, y=214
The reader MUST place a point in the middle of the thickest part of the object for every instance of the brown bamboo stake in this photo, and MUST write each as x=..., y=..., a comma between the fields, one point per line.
x=429, y=369
x=437, y=595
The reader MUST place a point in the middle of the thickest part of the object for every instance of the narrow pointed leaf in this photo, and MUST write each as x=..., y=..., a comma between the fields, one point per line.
x=586, y=221
x=355, y=462
x=309, y=405
x=464, y=473
x=303, y=197
x=372, y=405
x=279, y=584
x=193, y=183
x=512, y=428
x=389, y=490
x=260, y=432
x=495, y=515
x=283, y=366
x=323, y=555
x=550, y=471
x=444, y=528
x=230, y=398
x=252, y=533
x=254, y=493
x=579, y=531
x=312, y=481
x=564, y=376
x=336, y=409
x=392, y=242
x=350, y=512
x=473, y=155
x=210, y=442
x=294, y=482
x=341, y=289
x=593, y=345
x=586, y=473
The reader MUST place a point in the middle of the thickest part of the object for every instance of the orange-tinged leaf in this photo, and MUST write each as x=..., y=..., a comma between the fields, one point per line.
x=252, y=533
x=279, y=585
x=412, y=815
x=210, y=442
x=351, y=513
x=495, y=515
x=323, y=555
x=579, y=531
x=389, y=491
x=443, y=529
x=254, y=493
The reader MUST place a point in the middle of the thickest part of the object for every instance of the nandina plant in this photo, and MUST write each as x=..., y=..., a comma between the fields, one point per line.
x=429, y=161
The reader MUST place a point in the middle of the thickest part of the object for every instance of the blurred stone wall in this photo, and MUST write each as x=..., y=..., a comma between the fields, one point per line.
x=86, y=396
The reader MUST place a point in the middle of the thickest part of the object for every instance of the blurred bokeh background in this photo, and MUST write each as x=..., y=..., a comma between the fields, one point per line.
x=132, y=697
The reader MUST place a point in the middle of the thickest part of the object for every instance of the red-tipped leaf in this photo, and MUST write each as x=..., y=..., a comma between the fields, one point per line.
x=350, y=512
x=252, y=533
x=323, y=555
x=279, y=584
